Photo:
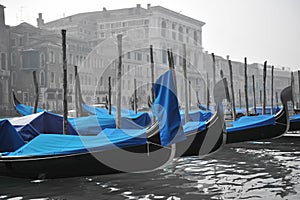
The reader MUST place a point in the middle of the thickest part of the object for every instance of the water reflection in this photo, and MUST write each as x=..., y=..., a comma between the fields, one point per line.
x=269, y=170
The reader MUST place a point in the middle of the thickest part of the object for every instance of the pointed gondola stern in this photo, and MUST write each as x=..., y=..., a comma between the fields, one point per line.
x=216, y=129
x=282, y=117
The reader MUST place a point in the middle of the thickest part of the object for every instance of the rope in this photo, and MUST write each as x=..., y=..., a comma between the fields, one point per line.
x=159, y=145
x=280, y=124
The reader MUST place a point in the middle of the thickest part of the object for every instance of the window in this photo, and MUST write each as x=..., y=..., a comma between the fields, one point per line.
x=13, y=42
x=180, y=34
x=102, y=35
x=42, y=59
x=163, y=29
x=195, y=37
x=128, y=68
x=13, y=58
x=13, y=78
x=146, y=21
x=21, y=61
x=3, y=61
x=101, y=81
x=51, y=57
x=187, y=35
x=21, y=41
x=71, y=59
x=42, y=78
x=128, y=55
x=164, y=56
x=70, y=78
x=52, y=77
x=25, y=97
x=173, y=32
x=138, y=56
x=101, y=26
x=175, y=59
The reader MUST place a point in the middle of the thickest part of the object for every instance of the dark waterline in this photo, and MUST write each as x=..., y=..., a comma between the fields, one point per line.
x=269, y=170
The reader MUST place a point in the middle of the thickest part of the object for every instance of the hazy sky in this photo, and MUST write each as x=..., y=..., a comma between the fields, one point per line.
x=257, y=29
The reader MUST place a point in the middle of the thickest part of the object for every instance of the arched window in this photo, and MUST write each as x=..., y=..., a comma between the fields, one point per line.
x=195, y=37
x=42, y=60
x=180, y=34
x=174, y=31
x=187, y=35
x=163, y=29
x=3, y=61
x=13, y=78
x=42, y=78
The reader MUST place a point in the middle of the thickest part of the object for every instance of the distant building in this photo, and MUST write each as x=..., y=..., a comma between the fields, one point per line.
x=158, y=26
x=4, y=65
x=92, y=46
x=282, y=79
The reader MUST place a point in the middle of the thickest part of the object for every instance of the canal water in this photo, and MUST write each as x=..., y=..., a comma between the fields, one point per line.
x=256, y=170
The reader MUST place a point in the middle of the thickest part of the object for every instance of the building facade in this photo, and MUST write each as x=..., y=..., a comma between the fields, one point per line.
x=4, y=65
x=92, y=46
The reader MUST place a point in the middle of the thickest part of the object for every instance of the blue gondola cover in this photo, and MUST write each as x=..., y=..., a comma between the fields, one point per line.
x=55, y=144
x=247, y=122
x=165, y=108
x=10, y=139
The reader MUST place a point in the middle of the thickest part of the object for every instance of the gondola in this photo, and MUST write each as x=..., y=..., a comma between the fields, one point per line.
x=104, y=120
x=294, y=122
x=251, y=128
x=137, y=152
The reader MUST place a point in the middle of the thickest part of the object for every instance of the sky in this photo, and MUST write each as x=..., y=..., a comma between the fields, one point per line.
x=261, y=30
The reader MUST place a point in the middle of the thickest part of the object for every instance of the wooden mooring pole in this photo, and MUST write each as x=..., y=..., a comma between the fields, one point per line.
x=232, y=91
x=272, y=89
x=65, y=83
x=109, y=95
x=246, y=87
x=207, y=91
x=254, y=94
x=119, y=86
x=152, y=78
x=185, y=85
x=76, y=91
x=293, y=89
x=298, y=88
x=134, y=97
x=36, y=87
x=240, y=99
x=264, y=88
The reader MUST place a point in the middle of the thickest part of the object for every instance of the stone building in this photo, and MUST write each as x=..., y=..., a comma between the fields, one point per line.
x=282, y=79
x=140, y=27
x=4, y=65
x=92, y=46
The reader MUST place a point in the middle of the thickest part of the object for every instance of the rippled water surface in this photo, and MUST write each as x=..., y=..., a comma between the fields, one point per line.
x=260, y=170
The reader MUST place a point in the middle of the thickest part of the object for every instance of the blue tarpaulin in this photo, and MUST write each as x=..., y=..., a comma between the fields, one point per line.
x=140, y=118
x=40, y=123
x=268, y=110
x=196, y=116
x=54, y=144
x=165, y=108
x=10, y=139
x=94, y=124
x=26, y=110
x=247, y=122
